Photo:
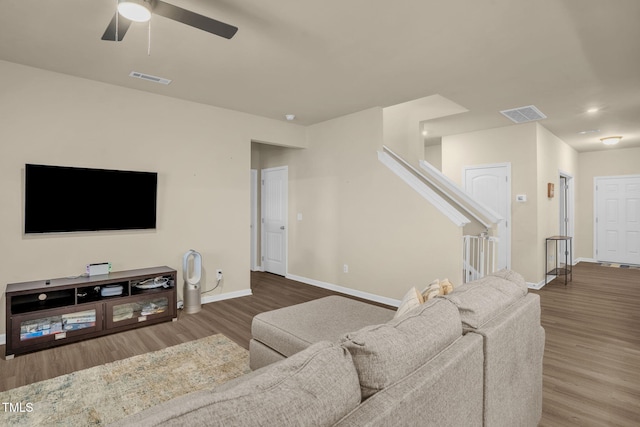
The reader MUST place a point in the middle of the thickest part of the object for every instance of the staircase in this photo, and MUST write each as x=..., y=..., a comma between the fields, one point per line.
x=479, y=248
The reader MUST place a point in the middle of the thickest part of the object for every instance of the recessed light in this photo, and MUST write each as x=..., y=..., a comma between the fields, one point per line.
x=593, y=110
x=425, y=133
x=290, y=116
x=584, y=132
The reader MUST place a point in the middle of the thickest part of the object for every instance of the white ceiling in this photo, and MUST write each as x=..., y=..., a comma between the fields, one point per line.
x=324, y=59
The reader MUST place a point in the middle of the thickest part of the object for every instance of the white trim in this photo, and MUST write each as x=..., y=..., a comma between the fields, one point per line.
x=595, y=207
x=537, y=286
x=508, y=218
x=593, y=219
x=448, y=186
x=572, y=203
x=343, y=290
x=443, y=184
x=258, y=268
x=228, y=295
x=421, y=188
x=581, y=259
x=286, y=217
x=3, y=339
x=254, y=219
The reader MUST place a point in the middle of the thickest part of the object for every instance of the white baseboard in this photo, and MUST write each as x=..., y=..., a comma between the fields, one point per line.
x=549, y=278
x=539, y=285
x=353, y=292
x=229, y=295
x=3, y=339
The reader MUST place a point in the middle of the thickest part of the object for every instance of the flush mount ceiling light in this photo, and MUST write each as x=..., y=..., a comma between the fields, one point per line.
x=289, y=116
x=135, y=10
x=611, y=140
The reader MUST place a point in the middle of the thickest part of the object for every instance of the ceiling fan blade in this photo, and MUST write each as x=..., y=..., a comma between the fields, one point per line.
x=110, y=32
x=194, y=20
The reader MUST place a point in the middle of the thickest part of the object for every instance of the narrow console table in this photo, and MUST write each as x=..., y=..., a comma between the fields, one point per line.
x=48, y=313
x=567, y=270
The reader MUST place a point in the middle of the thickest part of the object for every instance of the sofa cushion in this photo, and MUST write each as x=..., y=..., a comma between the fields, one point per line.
x=315, y=387
x=385, y=353
x=481, y=300
x=291, y=329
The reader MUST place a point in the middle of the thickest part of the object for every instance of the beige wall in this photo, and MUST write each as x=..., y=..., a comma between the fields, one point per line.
x=402, y=124
x=357, y=212
x=433, y=155
x=201, y=153
x=553, y=156
x=536, y=157
x=515, y=145
x=610, y=162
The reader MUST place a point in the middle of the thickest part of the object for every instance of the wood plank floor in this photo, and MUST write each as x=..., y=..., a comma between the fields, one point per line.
x=591, y=361
x=592, y=352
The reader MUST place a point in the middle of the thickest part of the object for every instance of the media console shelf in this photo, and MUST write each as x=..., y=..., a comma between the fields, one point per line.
x=48, y=313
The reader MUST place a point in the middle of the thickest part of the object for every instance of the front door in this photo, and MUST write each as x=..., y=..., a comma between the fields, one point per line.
x=489, y=185
x=274, y=219
x=618, y=219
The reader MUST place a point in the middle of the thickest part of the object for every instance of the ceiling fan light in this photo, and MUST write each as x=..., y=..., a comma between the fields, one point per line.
x=611, y=140
x=135, y=10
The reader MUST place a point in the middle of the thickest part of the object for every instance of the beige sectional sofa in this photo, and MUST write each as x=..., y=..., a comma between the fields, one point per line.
x=470, y=358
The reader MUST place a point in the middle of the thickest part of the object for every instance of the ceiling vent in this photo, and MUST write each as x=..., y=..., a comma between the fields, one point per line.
x=524, y=114
x=149, y=78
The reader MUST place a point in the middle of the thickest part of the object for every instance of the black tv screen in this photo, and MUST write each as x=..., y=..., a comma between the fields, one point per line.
x=62, y=199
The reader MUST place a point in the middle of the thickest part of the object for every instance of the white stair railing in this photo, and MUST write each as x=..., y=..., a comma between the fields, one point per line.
x=480, y=256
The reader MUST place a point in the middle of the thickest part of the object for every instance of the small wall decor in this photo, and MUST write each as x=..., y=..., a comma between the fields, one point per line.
x=550, y=190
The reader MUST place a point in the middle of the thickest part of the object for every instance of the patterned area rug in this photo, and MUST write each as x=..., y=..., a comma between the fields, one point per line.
x=107, y=393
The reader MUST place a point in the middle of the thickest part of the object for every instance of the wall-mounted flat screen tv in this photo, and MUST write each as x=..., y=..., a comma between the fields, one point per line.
x=60, y=199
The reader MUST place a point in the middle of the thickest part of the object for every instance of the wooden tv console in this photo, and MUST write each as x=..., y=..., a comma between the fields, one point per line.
x=48, y=313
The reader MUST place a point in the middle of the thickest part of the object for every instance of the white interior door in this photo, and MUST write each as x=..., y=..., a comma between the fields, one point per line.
x=617, y=221
x=490, y=185
x=274, y=219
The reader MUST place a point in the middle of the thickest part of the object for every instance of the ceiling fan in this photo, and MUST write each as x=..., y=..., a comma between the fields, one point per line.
x=141, y=10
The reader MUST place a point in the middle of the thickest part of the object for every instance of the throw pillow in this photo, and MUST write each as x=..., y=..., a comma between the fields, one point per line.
x=447, y=286
x=411, y=300
x=432, y=290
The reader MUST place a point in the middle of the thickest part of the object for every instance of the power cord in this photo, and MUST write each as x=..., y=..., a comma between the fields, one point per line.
x=215, y=287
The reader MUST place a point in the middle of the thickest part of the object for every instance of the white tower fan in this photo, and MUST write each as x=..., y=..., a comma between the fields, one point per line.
x=192, y=292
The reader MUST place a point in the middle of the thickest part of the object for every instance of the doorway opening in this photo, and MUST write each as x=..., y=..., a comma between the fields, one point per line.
x=565, y=211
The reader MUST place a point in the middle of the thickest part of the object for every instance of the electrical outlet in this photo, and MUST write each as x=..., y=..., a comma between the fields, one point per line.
x=345, y=268
x=218, y=274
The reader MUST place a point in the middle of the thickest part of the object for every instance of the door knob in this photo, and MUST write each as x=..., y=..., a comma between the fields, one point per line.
x=282, y=227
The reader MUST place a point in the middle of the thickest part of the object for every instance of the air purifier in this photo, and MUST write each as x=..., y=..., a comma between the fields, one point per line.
x=191, y=273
